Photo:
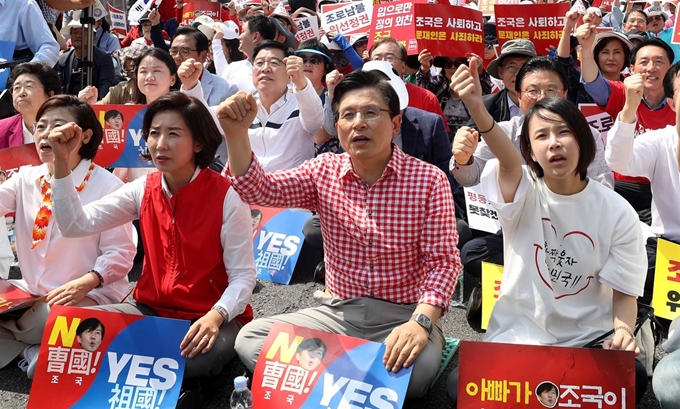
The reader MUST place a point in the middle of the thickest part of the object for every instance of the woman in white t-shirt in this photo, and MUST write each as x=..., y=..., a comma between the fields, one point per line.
x=574, y=251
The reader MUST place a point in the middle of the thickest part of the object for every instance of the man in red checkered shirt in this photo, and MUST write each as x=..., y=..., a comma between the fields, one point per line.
x=387, y=221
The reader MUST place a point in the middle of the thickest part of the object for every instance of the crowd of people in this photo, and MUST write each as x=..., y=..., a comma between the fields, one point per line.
x=377, y=143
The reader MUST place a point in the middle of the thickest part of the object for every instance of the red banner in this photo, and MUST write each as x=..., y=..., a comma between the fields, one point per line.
x=540, y=23
x=608, y=3
x=676, y=32
x=495, y=376
x=444, y=30
x=14, y=298
x=193, y=9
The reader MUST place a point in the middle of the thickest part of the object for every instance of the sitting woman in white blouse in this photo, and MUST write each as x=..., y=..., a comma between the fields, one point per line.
x=80, y=272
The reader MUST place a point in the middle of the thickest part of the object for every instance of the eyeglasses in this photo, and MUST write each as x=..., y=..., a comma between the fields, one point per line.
x=274, y=63
x=652, y=18
x=184, y=51
x=636, y=21
x=29, y=88
x=312, y=59
x=536, y=93
x=390, y=58
x=368, y=114
x=511, y=68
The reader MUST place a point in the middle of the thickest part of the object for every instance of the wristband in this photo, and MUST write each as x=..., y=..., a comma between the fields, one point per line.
x=625, y=328
x=490, y=129
x=99, y=276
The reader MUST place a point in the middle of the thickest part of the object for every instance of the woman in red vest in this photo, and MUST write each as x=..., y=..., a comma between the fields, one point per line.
x=194, y=267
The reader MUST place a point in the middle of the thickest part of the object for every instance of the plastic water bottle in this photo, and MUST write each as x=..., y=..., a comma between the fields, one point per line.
x=241, y=398
x=457, y=300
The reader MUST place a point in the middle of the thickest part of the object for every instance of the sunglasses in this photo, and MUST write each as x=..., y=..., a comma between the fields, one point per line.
x=312, y=59
x=652, y=18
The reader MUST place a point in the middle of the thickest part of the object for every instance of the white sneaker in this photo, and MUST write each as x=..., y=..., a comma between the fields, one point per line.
x=30, y=360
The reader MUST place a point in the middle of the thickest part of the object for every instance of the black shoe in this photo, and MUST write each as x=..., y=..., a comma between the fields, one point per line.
x=320, y=273
x=473, y=311
x=190, y=395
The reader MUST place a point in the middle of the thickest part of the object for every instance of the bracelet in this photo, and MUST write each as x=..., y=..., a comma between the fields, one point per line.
x=99, y=276
x=490, y=129
x=625, y=328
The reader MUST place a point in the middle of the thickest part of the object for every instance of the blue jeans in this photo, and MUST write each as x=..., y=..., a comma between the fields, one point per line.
x=666, y=381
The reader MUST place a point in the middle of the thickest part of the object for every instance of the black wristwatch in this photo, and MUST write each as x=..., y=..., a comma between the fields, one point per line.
x=423, y=320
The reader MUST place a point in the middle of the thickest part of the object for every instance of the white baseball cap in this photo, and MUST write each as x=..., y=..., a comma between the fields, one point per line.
x=395, y=80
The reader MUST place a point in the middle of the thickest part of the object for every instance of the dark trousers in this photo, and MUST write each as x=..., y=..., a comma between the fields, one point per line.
x=639, y=195
x=488, y=248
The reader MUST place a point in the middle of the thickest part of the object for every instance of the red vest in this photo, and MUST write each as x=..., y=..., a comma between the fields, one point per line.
x=183, y=273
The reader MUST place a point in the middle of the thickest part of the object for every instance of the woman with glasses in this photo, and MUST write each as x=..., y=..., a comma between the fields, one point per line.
x=570, y=277
x=31, y=84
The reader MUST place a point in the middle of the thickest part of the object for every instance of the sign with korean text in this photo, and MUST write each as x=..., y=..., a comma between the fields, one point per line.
x=540, y=23
x=666, y=296
x=481, y=215
x=122, y=145
x=347, y=18
x=99, y=359
x=13, y=298
x=193, y=9
x=486, y=7
x=598, y=119
x=307, y=28
x=277, y=241
x=491, y=289
x=305, y=368
x=443, y=29
x=494, y=375
x=117, y=21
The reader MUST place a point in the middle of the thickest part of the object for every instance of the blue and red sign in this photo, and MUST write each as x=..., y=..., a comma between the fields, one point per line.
x=305, y=368
x=99, y=359
x=122, y=145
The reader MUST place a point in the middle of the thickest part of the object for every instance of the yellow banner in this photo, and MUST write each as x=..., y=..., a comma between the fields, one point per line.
x=666, y=297
x=491, y=287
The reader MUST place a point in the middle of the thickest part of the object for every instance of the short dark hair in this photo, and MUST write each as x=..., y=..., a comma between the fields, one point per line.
x=625, y=18
x=312, y=344
x=653, y=41
x=200, y=38
x=255, y=213
x=85, y=119
x=112, y=114
x=366, y=79
x=538, y=64
x=194, y=115
x=164, y=57
x=287, y=51
x=669, y=80
x=574, y=119
x=314, y=44
x=603, y=43
x=260, y=23
x=47, y=76
x=389, y=40
x=546, y=387
x=89, y=324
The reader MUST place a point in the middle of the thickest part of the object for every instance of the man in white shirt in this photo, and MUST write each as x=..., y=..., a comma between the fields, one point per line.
x=256, y=28
x=653, y=155
x=22, y=23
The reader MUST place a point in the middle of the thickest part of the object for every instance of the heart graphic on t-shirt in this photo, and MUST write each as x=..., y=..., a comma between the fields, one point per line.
x=572, y=235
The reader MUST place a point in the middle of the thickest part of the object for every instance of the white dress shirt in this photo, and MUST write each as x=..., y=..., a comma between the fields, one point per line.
x=122, y=206
x=22, y=23
x=57, y=259
x=240, y=73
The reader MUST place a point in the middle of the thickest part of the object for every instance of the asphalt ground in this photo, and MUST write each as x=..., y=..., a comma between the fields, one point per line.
x=271, y=299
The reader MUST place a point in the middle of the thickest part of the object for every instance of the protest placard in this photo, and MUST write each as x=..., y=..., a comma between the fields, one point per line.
x=99, y=359
x=122, y=145
x=666, y=295
x=193, y=9
x=492, y=275
x=598, y=119
x=277, y=240
x=481, y=215
x=305, y=368
x=442, y=29
x=13, y=298
x=11, y=159
x=540, y=23
x=118, y=25
x=347, y=18
x=307, y=28
x=495, y=375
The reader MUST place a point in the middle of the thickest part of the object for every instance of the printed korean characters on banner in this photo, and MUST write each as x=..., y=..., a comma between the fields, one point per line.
x=99, y=359
x=492, y=275
x=277, y=241
x=481, y=215
x=666, y=295
x=347, y=18
x=598, y=119
x=540, y=23
x=13, y=298
x=122, y=145
x=307, y=27
x=440, y=28
x=305, y=368
x=494, y=375
x=193, y=9
x=117, y=21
